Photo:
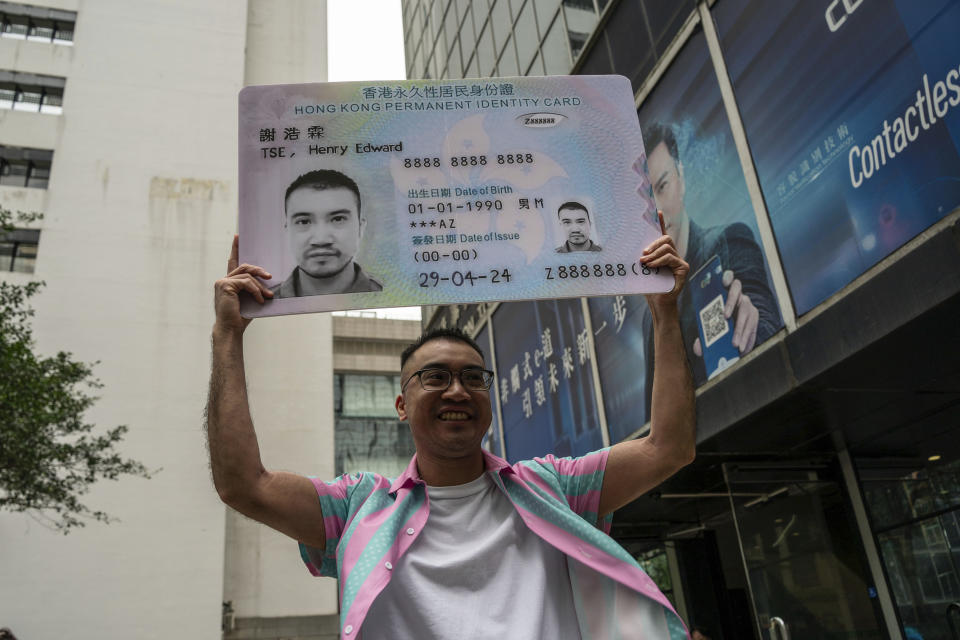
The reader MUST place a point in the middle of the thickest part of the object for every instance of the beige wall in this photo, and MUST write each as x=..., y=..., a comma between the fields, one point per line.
x=286, y=41
x=371, y=345
x=25, y=129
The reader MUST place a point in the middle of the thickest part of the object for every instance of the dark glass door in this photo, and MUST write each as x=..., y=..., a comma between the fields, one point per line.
x=802, y=553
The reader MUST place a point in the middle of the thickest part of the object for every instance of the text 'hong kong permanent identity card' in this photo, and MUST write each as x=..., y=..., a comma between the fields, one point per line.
x=382, y=194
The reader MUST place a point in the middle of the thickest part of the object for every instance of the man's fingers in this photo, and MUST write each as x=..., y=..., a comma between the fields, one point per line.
x=663, y=256
x=733, y=298
x=662, y=252
x=744, y=333
x=727, y=278
x=659, y=252
x=663, y=227
x=239, y=278
x=261, y=289
x=253, y=287
x=739, y=325
x=696, y=348
x=749, y=338
x=252, y=269
x=671, y=260
x=659, y=247
x=234, y=284
x=659, y=242
x=234, y=267
x=234, y=255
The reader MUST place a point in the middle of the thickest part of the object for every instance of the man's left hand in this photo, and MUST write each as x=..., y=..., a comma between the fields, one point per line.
x=662, y=252
x=748, y=316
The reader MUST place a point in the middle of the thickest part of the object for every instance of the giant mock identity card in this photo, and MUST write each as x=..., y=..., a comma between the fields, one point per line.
x=382, y=194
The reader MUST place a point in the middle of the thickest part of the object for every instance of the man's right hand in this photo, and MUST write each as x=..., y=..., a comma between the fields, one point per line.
x=285, y=501
x=226, y=299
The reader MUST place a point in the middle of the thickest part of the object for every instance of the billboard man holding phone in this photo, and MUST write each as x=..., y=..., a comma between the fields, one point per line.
x=750, y=304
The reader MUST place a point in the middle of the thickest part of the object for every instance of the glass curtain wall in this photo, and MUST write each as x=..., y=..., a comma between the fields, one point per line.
x=456, y=39
x=915, y=514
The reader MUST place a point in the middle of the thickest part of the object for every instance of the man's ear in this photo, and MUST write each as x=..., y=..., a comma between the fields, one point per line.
x=401, y=408
x=363, y=225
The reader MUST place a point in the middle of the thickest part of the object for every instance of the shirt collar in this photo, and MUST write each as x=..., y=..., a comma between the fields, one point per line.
x=357, y=273
x=590, y=245
x=411, y=476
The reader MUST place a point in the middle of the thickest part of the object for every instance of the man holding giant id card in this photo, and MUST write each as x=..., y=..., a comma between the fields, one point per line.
x=464, y=544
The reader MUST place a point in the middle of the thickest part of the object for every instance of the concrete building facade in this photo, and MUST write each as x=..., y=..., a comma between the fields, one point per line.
x=118, y=122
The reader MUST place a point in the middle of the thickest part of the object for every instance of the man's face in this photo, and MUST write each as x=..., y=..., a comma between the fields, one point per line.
x=668, y=188
x=450, y=423
x=323, y=228
x=576, y=224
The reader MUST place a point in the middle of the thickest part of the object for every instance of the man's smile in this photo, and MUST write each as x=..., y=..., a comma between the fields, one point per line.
x=454, y=416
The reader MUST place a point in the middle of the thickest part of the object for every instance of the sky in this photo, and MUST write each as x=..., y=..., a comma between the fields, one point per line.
x=365, y=42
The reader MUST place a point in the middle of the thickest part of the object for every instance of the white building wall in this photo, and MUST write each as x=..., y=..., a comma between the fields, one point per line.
x=290, y=380
x=140, y=212
x=289, y=361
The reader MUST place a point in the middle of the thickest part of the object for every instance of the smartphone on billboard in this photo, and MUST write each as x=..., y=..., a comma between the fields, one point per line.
x=716, y=331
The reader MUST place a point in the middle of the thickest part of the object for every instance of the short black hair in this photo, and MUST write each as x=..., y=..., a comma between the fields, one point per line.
x=572, y=204
x=657, y=133
x=323, y=179
x=439, y=334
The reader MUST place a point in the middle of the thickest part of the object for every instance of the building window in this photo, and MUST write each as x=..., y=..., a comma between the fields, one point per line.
x=368, y=436
x=23, y=167
x=38, y=24
x=18, y=250
x=31, y=92
x=368, y=396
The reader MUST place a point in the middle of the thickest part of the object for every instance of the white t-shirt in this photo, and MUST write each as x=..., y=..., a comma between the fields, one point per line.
x=475, y=572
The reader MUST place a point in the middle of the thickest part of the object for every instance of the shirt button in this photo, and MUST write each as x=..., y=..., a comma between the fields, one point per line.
x=388, y=566
x=409, y=531
x=348, y=628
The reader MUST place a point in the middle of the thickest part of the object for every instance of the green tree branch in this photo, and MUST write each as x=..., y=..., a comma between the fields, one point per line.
x=49, y=455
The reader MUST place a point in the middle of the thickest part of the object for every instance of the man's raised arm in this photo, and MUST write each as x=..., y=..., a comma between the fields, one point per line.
x=635, y=467
x=285, y=501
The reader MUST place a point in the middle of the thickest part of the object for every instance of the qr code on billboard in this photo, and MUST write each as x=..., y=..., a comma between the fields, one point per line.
x=712, y=320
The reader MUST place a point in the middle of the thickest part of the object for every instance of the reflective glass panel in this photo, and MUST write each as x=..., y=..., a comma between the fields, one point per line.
x=526, y=36
x=556, y=55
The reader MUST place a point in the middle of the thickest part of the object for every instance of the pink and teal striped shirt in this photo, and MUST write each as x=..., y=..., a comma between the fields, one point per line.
x=371, y=522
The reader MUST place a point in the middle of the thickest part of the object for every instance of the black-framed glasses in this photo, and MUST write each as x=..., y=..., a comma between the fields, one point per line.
x=437, y=379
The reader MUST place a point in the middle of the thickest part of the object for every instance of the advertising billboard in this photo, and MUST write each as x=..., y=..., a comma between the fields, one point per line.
x=491, y=441
x=729, y=307
x=545, y=379
x=851, y=113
